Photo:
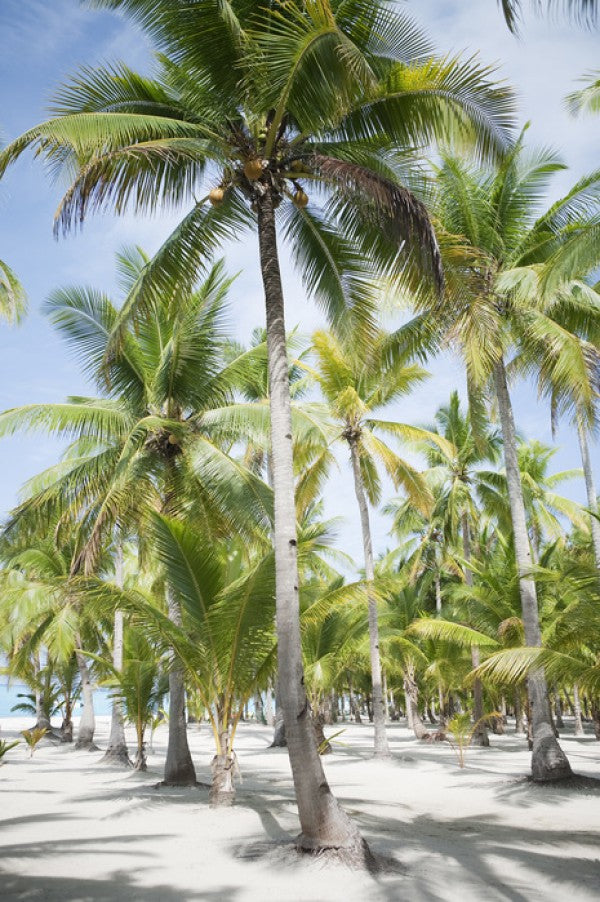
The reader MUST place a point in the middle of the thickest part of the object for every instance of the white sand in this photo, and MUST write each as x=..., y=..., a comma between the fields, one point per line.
x=72, y=829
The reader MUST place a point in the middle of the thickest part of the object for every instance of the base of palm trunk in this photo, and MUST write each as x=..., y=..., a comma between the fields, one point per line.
x=480, y=738
x=86, y=744
x=279, y=740
x=222, y=790
x=354, y=853
x=548, y=761
x=118, y=755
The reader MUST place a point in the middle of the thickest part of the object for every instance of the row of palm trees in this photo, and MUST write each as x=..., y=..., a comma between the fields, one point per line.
x=250, y=106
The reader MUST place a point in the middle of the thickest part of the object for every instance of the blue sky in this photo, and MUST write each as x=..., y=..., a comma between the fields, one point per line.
x=42, y=42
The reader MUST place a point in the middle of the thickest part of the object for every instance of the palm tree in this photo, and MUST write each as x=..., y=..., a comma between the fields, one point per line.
x=254, y=102
x=147, y=443
x=356, y=383
x=467, y=453
x=491, y=308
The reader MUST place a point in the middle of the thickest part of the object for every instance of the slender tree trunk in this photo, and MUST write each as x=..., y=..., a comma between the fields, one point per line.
x=548, y=761
x=117, y=752
x=179, y=767
x=412, y=703
x=323, y=822
x=589, y=487
x=438, y=595
x=259, y=708
x=381, y=744
x=269, y=712
x=87, y=724
x=577, y=711
x=480, y=736
x=386, y=702
x=519, y=721
x=354, y=706
x=409, y=708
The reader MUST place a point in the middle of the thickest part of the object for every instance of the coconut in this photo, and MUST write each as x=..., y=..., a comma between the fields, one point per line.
x=216, y=196
x=253, y=170
x=300, y=198
x=297, y=166
x=173, y=440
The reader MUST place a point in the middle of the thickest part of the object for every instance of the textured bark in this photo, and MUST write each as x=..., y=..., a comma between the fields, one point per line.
x=548, y=761
x=179, y=767
x=480, y=736
x=381, y=748
x=577, y=711
x=87, y=724
x=590, y=488
x=323, y=823
x=415, y=720
x=319, y=719
x=558, y=718
x=222, y=790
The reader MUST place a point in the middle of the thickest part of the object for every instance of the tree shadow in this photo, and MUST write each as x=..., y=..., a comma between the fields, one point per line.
x=114, y=888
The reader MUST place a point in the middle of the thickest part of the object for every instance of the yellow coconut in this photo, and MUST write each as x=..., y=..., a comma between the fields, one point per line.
x=253, y=170
x=173, y=440
x=297, y=166
x=300, y=198
x=216, y=196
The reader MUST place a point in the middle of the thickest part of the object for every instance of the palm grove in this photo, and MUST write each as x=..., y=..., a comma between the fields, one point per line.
x=179, y=548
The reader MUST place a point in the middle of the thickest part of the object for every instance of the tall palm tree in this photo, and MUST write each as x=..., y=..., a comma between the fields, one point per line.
x=251, y=102
x=489, y=218
x=357, y=383
x=460, y=470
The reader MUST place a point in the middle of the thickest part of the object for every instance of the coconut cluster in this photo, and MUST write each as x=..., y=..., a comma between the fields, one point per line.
x=254, y=171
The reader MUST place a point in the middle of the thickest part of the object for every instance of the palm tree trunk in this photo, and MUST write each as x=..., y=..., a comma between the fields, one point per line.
x=381, y=744
x=548, y=761
x=222, y=790
x=480, y=736
x=415, y=720
x=323, y=822
x=279, y=741
x=269, y=713
x=519, y=721
x=117, y=752
x=438, y=595
x=179, y=767
x=577, y=711
x=87, y=724
x=589, y=487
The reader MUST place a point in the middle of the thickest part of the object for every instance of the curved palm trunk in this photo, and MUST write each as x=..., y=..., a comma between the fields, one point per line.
x=381, y=744
x=480, y=736
x=87, y=725
x=548, y=761
x=324, y=824
x=590, y=488
x=179, y=767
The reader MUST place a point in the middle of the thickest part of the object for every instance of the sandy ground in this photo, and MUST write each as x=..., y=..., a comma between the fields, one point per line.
x=73, y=829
